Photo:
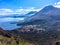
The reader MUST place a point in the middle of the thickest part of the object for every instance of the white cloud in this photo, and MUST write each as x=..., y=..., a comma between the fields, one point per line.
x=24, y=11
x=57, y=4
x=10, y=19
x=6, y=12
x=17, y=11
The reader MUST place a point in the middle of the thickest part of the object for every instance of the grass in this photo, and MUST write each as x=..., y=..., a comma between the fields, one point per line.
x=57, y=41
x=4, y=40
x=1, y=37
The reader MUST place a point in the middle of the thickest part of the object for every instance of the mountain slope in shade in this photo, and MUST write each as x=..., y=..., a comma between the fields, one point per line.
x=38, y=28
x=5, y=33
x=46, y=18
x=7, y=38
x=34, y=30
x=49, y=13
x=31, y=13
x=45, y=13
x=50, y=10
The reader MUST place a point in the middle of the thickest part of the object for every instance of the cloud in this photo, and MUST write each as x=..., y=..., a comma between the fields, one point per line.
x=6, y=12
x=17, y=11
x=24, y=11
x=10, y=12
x=10, y=19
x=57, y=4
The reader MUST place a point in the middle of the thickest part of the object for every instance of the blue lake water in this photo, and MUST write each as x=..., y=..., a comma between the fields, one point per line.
x=6, y=24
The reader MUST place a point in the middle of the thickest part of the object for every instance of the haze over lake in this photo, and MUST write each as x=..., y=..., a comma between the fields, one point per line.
x=6, y=23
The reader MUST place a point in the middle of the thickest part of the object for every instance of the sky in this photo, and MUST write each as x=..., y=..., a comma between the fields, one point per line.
x=21, y=7
x=10, y=7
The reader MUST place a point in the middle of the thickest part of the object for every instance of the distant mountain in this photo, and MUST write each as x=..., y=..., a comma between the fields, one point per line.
x=13, y=16
x=22, y=16
x=46, y=13
x=19, y=15
x=31, y=13
x=42, y=28
x=48, y=17
x=50, y=10
x=13, y=20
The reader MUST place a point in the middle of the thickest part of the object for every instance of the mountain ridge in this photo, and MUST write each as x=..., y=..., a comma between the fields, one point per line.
x=46, y=13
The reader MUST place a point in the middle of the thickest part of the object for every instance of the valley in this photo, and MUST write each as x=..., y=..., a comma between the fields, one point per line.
x=41, y=28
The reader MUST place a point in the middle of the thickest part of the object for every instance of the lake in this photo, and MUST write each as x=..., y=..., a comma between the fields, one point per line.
x=6, y=23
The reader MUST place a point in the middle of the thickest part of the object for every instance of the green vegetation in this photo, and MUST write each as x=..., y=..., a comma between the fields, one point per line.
x=1, y=37
x=11, y=41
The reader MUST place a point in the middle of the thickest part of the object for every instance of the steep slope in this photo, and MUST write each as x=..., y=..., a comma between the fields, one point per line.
x=45, y=13
x=49, y=10
x=43, y=28
x=9, y=38
x=31, y=13
x=49, y=15
x=37, y=34
x=5, y=33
